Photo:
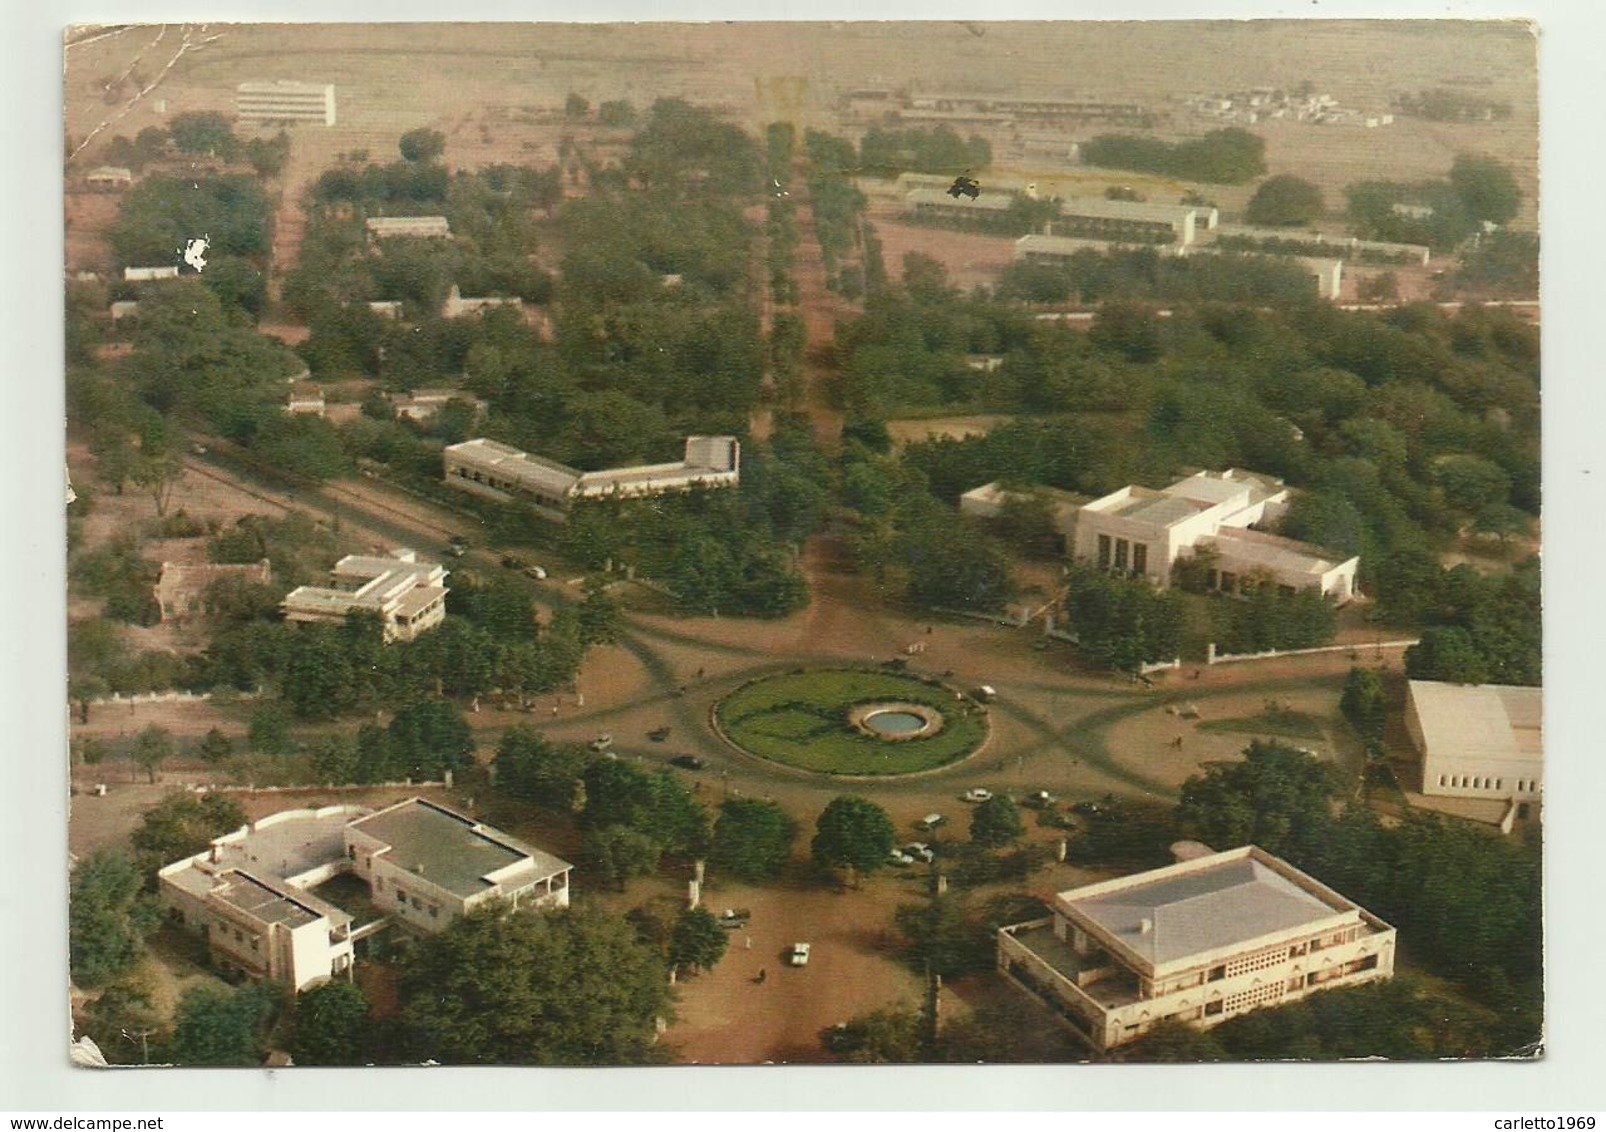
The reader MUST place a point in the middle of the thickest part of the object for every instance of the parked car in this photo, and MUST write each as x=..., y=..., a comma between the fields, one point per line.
x=799, y=955
x=1040, y=799
x=658, y=734
x=986, y=693
x=688, y=762
x=930, y=822
x=919, y=850
x=977, y=795
x=900, y=858
x=536, y=572
x=734, y=918
x=601, y=742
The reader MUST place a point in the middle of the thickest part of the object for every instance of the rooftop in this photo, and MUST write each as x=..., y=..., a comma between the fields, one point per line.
x=1213, y=903
x=1161, y=510
x=273, y=903
x=1484, y=720
x=532, y=471
x=1257, y=548
x=448, y=849
x=987, y=202
x=1224, y=487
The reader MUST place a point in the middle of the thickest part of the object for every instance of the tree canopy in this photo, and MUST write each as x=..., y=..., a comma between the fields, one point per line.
x=752, y=838
x=107, y=918
x=855, y=833
x=1285, y=201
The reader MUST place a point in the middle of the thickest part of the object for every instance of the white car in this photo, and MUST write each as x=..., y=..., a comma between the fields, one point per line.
x=536, y=572
x=919, y=850
x=799, y=955
x=899, y=857
x=601, y=742
x=978, y=795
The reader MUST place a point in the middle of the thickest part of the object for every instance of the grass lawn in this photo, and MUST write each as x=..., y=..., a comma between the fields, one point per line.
x=1283, y=722
x=801, y=719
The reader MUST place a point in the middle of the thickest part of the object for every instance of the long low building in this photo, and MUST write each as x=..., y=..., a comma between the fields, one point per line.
x=1036, y=248
x=1478, y=741
x=1197, y=942
x=285, y=101
x=499, y=471
x=385, y=227
x=407, y=595
x=252, y=895
x=1093, y=218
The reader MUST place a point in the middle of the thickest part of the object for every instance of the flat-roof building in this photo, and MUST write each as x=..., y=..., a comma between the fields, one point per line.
x=1197, y=942
x=251, y=895
x=1478, y=740
x=457, y=306
x=109, y=177
x=146, y=274
x=285, y=101
x=407, y=595
x=384, y=227
x=499, y=471
x=1143, y=532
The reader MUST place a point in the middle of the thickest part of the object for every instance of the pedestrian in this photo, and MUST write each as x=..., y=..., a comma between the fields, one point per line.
x=749, y=943
x=763, y=976
x=554, y=711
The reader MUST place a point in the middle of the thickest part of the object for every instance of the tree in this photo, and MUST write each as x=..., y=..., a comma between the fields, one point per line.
x=107, y=918
x=222, y=1027
x=531, y=768
x=1364, y=703
x=153, y=747
x=567, y=988
x=331, y=1025
x=1285, y=201
x=1277, y=798
x=422, y=145
x=216, y=747
x=204, y=132
x=430, y=737
x=1447, y=653
x=615, y=853
x=183, y=824
x=576, y=106
x=599, y=618
x=158, y=473
x=996, y=823
x=269, y=731
x=945, y=938
x=698, y=942
x=1487, y=188
x=122, y=1020
x=888, y=1036
x=617, y=113
x=752, y=838
x=854, y=833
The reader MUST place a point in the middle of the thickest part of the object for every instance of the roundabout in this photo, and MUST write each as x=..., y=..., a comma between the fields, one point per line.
x=852, y=722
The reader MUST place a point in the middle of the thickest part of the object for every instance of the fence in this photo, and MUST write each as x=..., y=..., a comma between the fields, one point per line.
x=1213, y=657
x=117, y=698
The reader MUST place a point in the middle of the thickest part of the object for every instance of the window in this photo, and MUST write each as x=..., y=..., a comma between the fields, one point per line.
x=401, y=897
x=1140, y=558
x=1441, y=780
x=434, y=911
x=1104, y=552
x=1120, y=553
x=1218, y=972
x=1212, y=1008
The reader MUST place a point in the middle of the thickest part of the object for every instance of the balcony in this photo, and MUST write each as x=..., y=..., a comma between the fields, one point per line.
x=1094, y=982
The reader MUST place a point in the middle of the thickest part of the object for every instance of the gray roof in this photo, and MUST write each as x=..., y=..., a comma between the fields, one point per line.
x=1232, y=901
x=272, y=904
x=1161, y=512
x=1481, y=720
x=448, y=849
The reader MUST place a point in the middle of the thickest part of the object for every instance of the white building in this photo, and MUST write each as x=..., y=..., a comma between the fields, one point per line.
x=285, y=101
x=124, y=308
x=500, y=471
x=456, y=306
x=422, y=404
x=251, y=895
x=427, y=865
x=1197, y=942
x=384, y=227
x=305, y=400
x=1036, y=248
x=1143, y=532
x=1478, y=741
x=109, y=177
x=407, y=595
x=390, y=308
x=146, y=274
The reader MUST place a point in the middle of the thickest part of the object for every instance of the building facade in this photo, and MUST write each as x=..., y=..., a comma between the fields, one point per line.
x=499, y=471
x=1478, y=741
x=1197, y=942
x=1143, y=532
x=285, y=101
x=427, y=227
x=407, y=595
x=251, y=895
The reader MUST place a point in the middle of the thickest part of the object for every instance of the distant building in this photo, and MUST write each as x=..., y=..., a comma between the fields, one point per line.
x=456, y=306
x=391, y=309
x=422, y=404
x=1412, y=211
x=1132, y=221
x=500, y=471
x=124, y=308
x=385, y=227
x=408, y=596
x=109, y=177
x=1143, y=532
x=181, y=587
x=285, y=101
x=1328, y=273
x=305, y=401
x=937, y=202
x=252, y=897
x=1197, y=942
x=146, y=274
x=1478, y=741
x=1034, y=248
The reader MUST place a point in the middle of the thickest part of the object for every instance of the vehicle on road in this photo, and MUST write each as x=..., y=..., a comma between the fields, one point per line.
x=658, y=734
x=601, y=742
x=536, y=572
x=986, y=693
x=920, y=851
x=900, y=858
x=734, y=918
x=977, y=795
x=799, y=955
x=688, y=762
x=930, y=822
x=1039, y=799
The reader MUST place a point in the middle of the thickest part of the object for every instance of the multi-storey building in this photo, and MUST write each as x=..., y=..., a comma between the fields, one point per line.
x=408, y=596
x=252, y=895
x=1196, y=942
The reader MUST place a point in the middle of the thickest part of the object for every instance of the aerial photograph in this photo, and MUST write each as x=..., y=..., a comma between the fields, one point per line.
x=820, y=543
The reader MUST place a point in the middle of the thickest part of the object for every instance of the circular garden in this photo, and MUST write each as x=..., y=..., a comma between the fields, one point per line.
x=842, y=721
